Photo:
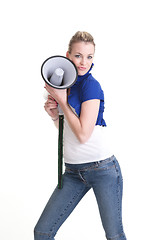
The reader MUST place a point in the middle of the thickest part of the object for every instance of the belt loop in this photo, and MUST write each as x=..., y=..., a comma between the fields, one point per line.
x=97, y=163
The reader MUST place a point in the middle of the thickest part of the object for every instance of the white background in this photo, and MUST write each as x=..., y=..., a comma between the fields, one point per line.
x=129, y=64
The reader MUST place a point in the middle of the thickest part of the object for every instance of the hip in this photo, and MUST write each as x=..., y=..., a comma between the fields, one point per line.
x=98, y=173
x=95, y=165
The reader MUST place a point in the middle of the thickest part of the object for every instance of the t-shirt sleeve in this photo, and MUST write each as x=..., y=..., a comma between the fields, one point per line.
x=91, y=90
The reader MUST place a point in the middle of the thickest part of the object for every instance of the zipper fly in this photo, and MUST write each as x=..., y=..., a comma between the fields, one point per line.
x=82, y=178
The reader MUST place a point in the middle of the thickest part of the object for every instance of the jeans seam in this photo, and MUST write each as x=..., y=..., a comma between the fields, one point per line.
x=118, y=197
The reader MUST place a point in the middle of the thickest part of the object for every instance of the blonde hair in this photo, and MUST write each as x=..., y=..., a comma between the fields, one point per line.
x=80, y=37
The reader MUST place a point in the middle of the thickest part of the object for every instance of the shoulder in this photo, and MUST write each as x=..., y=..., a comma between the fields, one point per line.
x=90, y=81
x=91, y=89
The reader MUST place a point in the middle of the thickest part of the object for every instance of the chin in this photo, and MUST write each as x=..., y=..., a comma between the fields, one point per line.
x=81, y=73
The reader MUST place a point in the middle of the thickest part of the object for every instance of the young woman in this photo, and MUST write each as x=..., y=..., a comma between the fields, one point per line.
x=88, y=163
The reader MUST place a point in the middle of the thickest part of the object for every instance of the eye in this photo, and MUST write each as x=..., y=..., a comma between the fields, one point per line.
x=77, y=55
x=90, y=57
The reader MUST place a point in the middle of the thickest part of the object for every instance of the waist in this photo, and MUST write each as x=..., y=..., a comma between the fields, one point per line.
x=88, y=166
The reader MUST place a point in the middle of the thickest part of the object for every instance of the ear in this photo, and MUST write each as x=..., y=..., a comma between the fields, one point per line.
x=67, y=54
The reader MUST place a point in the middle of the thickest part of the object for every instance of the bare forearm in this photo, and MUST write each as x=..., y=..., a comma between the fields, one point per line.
x=73, y=121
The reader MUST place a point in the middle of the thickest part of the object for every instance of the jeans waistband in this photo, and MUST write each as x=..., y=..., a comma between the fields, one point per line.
x=85, y=166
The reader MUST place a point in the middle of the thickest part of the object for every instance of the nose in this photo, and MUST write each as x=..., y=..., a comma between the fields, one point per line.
x=83, y=61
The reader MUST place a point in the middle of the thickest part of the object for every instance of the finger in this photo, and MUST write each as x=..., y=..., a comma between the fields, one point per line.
x=50, y=97
x=51, y=102
x=51, y=105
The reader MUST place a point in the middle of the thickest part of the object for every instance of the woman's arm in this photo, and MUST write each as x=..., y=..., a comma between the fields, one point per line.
x=83, y=126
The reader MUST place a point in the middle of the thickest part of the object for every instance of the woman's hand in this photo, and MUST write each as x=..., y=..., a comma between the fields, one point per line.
x=51, y=107
x=60, y=95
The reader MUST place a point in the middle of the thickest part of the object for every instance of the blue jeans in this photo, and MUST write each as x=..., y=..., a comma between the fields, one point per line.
x=106, y=180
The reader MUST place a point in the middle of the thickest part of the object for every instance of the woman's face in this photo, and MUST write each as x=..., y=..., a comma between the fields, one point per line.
x=82, y=56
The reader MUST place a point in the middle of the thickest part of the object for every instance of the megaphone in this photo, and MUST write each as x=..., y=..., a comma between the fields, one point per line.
x=59, y=72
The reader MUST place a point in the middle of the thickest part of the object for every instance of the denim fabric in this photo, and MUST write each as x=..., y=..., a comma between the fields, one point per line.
x=105, y=178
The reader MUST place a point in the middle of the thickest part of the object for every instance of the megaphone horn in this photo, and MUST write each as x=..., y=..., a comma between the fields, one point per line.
x=59, y=72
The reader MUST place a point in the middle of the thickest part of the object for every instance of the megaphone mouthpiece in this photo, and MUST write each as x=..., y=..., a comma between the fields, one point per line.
x=57, y=77
x=59, y=72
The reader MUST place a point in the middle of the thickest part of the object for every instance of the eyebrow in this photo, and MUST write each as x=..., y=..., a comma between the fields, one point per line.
x=82, y=54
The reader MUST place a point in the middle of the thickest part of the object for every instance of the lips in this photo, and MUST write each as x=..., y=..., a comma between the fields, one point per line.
x=82, y=68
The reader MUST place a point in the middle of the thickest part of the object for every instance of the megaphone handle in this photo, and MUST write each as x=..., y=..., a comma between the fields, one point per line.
x=60, y=110
x=60, y=151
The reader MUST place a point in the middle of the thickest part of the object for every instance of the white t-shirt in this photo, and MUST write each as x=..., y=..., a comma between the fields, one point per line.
x=95, y=149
